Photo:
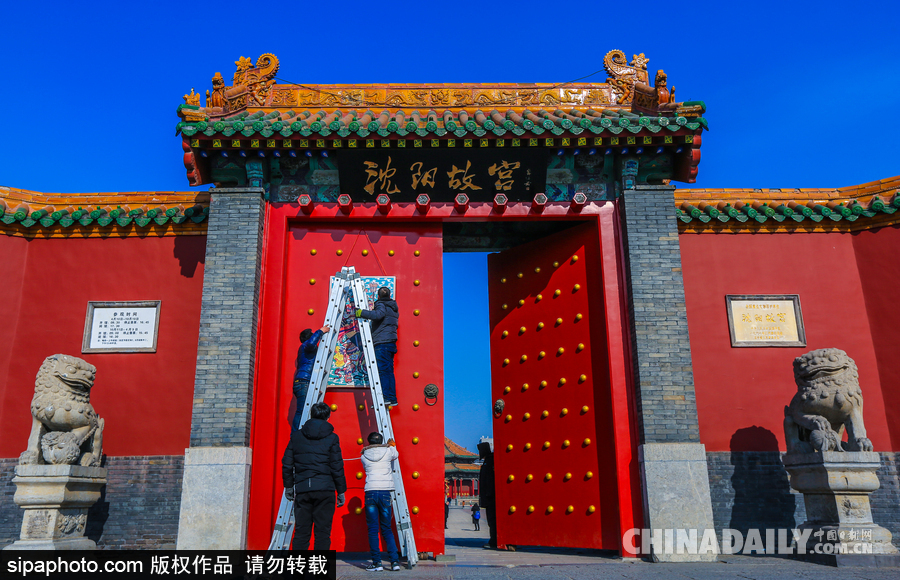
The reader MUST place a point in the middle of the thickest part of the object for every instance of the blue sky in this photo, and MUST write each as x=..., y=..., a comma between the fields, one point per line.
x=798, y=94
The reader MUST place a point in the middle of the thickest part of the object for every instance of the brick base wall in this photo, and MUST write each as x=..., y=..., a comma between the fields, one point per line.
x=886, y=500
x=750, y=489
x=10, y=513
x=139, y=506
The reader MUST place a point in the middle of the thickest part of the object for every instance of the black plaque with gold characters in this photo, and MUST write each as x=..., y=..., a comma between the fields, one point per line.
x=442, y=174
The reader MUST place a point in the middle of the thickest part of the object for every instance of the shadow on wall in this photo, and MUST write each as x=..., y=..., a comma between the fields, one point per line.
x=189, y=251
x=97, y=516
x=762, y=492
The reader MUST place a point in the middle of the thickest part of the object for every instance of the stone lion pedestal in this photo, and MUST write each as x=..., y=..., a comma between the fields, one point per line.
x=56, y=499
x=836, y=487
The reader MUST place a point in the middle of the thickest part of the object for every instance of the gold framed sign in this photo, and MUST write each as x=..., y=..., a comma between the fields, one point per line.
x=765, y=320
x=121, y=327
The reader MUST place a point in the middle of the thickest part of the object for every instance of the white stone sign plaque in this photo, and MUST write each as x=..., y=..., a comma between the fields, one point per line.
x=121, y=326
x=765, y=320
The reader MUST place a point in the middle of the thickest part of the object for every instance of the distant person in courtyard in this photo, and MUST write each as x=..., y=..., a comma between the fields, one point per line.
x=306, y=357
x=378, y=460
x=385, y=316
x=312, y=472
x=486, y=490
x=446, y=511
x=476, y=516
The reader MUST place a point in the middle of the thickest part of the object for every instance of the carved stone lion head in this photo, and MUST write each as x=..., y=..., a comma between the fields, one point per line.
x=821, y=363
x=74, y=372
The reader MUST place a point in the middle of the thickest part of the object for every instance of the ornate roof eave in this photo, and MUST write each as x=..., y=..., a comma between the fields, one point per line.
x=467, y=469
x=453, y=449
x=859, y=207
x=32, y=214
x=257, y=113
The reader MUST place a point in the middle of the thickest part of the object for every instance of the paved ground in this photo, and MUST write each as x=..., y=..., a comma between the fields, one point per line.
x=472, y=561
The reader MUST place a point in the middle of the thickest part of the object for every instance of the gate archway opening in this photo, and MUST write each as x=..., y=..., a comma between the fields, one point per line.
x=564, y=433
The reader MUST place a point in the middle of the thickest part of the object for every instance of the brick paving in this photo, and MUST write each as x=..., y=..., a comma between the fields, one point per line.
x=472, y=561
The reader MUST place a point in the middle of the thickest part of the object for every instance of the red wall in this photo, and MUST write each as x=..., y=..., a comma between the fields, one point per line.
x=145, y=398
x=738, y=388
x=879, y=270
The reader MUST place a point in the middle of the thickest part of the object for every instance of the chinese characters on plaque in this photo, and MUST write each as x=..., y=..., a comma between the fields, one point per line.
x=765, y=320
x=402, y=174
x=121, y=326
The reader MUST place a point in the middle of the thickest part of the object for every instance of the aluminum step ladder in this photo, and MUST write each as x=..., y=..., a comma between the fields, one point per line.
x=348, y=285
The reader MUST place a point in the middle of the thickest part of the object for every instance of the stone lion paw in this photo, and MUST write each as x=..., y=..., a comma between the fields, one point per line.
x=821, y=423
x=864, y=444
x=29, y=458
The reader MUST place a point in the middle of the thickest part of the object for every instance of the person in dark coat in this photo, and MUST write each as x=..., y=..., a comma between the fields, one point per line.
x=446, y=512
x=384, y=338
x=486, y=490
x=312, y=471
x=476, y=516
x=306, y=357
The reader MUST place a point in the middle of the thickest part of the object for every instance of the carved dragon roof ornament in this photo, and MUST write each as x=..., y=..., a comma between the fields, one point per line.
x=250, y=85
x=623, y=76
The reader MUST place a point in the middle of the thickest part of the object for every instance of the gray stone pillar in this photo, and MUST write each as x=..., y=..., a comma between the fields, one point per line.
x=216, y=487
x=673, y=461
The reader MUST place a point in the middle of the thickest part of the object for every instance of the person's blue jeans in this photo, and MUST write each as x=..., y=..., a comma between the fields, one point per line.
x=384, y=355
x=301, y=386
x=378, y=517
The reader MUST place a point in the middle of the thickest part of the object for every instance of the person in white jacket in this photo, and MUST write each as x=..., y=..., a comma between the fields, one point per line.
x=378, y=459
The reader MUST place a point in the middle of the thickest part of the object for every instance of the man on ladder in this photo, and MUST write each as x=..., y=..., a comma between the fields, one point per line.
x=385, y=316
x=348, y=286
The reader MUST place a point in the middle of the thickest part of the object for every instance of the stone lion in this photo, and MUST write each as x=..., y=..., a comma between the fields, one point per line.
x=828, y=399
x=65, y=429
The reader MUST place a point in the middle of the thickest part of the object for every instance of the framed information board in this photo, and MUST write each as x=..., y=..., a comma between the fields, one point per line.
x=121, y=327
x=765, y=320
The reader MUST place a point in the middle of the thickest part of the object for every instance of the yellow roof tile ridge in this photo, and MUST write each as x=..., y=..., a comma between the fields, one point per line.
x=851, y=192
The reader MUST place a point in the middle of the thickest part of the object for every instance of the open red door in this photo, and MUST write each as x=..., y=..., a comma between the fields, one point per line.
x=553, y=441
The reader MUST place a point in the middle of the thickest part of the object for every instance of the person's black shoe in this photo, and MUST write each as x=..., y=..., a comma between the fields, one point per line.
x=395, y=566
x=374, y=568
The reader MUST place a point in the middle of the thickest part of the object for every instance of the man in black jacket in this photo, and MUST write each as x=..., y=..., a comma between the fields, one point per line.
x=312, y=471
x=384, y=338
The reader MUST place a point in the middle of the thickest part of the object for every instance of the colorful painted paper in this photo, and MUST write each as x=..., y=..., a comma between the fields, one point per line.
x=348, y=369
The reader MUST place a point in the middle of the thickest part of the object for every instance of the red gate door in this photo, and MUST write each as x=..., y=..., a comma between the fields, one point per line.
x=553, y=440
x=302, y=258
